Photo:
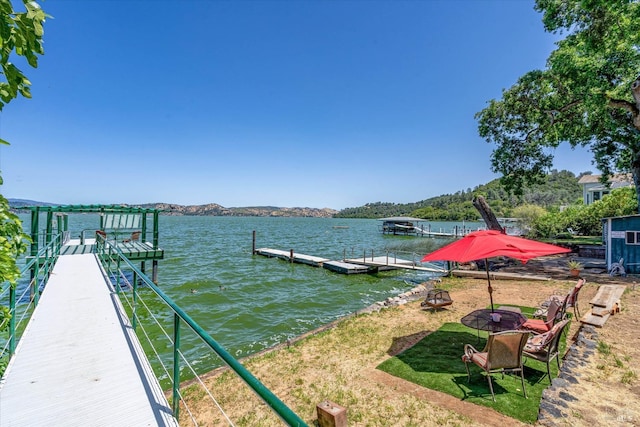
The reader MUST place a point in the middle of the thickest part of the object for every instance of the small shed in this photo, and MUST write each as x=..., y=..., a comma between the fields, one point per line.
x=621, y=237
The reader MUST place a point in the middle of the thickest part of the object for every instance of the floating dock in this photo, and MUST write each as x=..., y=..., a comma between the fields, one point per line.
x=347, y=266
x=292, y=256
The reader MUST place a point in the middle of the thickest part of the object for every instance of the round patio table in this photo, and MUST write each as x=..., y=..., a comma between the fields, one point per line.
x=482, y=321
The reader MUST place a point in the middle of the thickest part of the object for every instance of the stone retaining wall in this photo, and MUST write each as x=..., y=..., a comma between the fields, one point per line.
x=553, y=406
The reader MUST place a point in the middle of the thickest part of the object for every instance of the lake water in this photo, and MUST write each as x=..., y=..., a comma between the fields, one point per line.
x=248, y=303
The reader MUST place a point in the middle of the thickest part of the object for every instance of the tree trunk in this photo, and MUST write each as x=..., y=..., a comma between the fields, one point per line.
x=635, y=92
x=487, y=214
x=635, y=172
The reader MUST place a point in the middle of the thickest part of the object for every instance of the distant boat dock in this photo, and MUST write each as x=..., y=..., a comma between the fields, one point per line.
x=408, y=226
x=364, y=264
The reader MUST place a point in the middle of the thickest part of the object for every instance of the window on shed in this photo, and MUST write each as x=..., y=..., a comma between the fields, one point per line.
x=633, y=238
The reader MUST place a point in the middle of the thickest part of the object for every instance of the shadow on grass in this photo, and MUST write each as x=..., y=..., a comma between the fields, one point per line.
x=436, y=362
x=400, y=344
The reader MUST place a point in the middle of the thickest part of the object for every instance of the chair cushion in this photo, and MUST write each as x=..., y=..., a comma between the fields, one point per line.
x=537, y=343
x=537, y=325
x=479, y=359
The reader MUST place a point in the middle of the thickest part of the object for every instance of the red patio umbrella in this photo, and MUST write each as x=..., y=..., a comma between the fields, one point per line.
x=487, y=244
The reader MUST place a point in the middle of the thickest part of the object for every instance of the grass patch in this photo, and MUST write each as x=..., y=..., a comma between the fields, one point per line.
x=436, y=363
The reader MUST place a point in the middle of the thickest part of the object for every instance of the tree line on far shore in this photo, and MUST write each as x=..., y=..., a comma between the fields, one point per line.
x=551, y=210
x=559, y=188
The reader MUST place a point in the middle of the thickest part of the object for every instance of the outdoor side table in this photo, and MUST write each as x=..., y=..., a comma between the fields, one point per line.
x=482, y=320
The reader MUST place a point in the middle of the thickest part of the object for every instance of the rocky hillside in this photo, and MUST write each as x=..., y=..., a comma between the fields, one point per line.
x=212, y=209
x=217, y=210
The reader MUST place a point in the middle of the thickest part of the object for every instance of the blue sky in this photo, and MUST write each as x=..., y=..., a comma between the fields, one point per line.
x=282, y=103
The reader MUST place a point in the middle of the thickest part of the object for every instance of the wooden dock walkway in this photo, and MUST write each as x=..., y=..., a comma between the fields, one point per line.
x=79, y=362
x=314, y=261
x=347, y=266
x=336, y=266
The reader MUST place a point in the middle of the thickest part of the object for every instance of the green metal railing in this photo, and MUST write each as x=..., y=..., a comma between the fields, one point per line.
x=117, y=265
x=33, y=278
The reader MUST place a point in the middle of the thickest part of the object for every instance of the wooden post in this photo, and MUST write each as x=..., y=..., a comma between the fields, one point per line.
x=154, y=271
x=253, y=243
x=331, y=414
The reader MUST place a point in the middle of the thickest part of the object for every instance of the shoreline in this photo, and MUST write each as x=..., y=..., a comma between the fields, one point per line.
x=416, y=293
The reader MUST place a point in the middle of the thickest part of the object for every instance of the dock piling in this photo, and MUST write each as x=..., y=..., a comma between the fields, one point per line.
x=253, y=243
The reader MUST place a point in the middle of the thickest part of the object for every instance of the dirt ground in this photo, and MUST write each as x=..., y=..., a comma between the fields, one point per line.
x=337, y=367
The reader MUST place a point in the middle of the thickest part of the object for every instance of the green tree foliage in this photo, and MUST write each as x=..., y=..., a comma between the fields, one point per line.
x=586, y=220
x=557, y=189
x=588, y=95
x=20, y=36
x=13, y=242
x=528, y=214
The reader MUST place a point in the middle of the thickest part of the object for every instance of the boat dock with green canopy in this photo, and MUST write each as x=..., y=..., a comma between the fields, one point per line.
x=133, y=230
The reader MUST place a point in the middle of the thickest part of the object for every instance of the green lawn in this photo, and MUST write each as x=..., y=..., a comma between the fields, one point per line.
x=436, y=363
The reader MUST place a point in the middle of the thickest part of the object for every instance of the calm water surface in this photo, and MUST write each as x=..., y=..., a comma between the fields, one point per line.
x=249, y=303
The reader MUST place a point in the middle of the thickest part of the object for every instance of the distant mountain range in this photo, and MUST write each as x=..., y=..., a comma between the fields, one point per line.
x=20, y=203
x=558, y=188
x=210, y=209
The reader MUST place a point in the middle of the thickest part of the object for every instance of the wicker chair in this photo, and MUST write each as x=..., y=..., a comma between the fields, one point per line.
x=437, y=298
x=546, y=347
x=503, y=352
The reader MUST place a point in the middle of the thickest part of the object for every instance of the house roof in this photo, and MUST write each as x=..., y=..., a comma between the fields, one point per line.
x=622, y=178
x=621, y=217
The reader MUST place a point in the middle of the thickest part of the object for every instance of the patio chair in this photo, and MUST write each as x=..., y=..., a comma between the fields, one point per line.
x=437, y=298
x=540, y=326
x=546, y=347
x=570, y=300
x=503, y=352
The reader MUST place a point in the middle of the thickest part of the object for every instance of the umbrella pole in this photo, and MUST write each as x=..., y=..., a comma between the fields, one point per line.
x=486, y=267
